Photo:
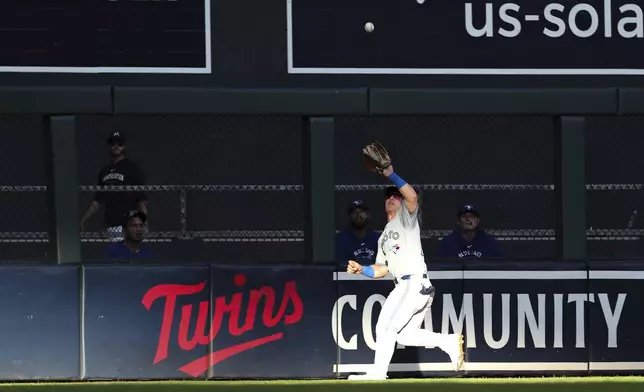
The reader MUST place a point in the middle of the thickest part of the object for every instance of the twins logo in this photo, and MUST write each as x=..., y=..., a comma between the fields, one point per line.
x=241, y=309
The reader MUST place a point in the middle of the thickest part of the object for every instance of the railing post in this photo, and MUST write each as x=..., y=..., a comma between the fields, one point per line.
x=319, y=188
x=61, y=163
x=571, y=188
x=183, y=200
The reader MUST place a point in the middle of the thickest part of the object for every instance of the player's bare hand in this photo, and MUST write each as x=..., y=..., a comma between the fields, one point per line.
x=354, y=267
x=387, y=172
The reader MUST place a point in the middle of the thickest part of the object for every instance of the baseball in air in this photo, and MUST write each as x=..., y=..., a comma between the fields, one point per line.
x=369, y=27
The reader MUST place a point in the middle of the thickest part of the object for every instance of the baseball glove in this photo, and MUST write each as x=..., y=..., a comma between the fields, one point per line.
x=376, y=157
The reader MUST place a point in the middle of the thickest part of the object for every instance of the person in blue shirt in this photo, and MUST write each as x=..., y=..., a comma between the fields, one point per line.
x=132, y=246
x=356, y=241
x=468, y=241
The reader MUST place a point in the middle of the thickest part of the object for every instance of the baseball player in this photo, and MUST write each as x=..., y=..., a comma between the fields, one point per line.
x=400, y=253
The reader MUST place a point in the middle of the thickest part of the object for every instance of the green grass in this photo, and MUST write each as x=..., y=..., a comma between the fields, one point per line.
x=549, y=384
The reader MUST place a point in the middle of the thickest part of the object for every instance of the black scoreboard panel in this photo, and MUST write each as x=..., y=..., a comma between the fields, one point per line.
x=105, y=36
x=466, y=37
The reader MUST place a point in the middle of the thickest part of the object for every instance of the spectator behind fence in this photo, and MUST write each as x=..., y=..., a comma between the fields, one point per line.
x=132, y=246
x=121, y=171
x=357, y=241
x=468, y=241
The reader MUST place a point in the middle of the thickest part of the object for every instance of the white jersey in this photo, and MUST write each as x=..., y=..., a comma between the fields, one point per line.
x=399, y=245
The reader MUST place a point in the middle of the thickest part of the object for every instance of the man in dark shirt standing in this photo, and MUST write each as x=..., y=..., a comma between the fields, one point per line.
x=120, y=171
x=468, y=241
x=357, y=242
x=131, y=247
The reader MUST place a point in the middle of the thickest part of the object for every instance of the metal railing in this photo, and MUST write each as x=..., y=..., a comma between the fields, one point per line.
x=297, y=235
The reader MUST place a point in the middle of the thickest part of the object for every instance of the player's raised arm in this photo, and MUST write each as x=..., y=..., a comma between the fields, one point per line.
x=406, y=190
x=373, y=271
x=377, y=159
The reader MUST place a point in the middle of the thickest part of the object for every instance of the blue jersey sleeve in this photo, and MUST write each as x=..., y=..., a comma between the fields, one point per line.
x=110, y=252
x=340, y=248
x=495, y=248
x=444, y=248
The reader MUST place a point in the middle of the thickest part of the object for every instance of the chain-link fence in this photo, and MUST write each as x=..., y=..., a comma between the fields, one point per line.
x=229, y=188
x=23, y=197
x=219, y=188
x=503, y=165
x=615, y=188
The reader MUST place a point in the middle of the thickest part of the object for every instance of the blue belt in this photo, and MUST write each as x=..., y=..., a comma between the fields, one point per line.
x=407, y=277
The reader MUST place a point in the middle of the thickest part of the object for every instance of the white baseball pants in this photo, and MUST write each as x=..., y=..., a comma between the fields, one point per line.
x=400, y=320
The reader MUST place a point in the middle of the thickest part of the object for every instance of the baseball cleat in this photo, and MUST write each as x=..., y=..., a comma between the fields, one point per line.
x=366, y=377
x=456, y=352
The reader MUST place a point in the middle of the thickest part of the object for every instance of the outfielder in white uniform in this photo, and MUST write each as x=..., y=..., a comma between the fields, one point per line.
x=400, y=253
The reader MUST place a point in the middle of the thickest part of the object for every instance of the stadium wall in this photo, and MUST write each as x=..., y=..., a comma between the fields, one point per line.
x=569, y=316
x=235, y=322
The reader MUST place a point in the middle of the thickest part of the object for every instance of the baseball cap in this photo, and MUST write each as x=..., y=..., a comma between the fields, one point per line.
x=392, y=190
x=467, y=208
x=116, y=137
x=357, y=204
x=133, y=214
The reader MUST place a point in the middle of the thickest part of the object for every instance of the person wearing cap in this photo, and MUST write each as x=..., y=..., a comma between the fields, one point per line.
x=120, y=171
x=357, y=241
x=132, y=246
x=468, y=241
